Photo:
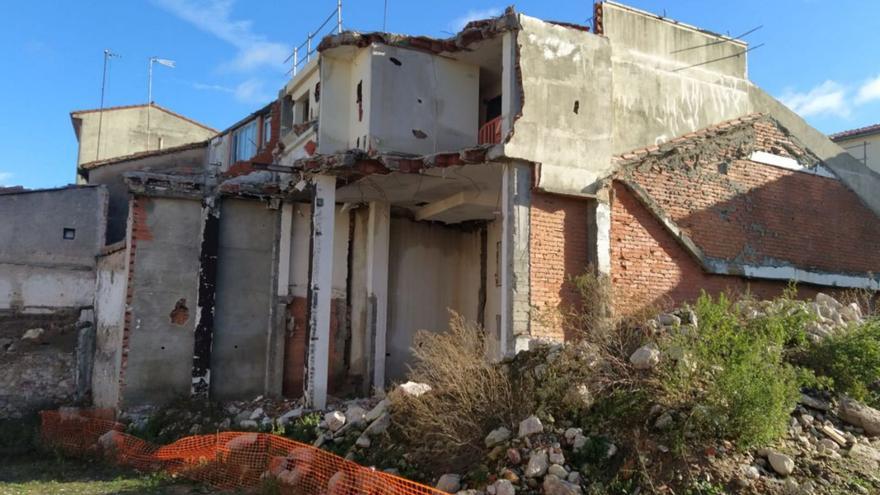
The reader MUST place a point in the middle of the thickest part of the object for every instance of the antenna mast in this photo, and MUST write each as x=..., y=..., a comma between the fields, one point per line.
x=107, y=56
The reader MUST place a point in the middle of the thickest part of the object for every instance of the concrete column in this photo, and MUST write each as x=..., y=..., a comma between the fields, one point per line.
x=378, y=233
x=510, y=102
x=515, y=258
x=320, y=290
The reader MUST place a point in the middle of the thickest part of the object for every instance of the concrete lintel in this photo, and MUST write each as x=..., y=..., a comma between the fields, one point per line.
x=320, y=290
x=460, y=206
x=378, y=245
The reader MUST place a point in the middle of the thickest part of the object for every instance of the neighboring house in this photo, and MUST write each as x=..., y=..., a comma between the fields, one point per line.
x=862, y=143
x=49, y=243
x=120, y=131
x=398, y=177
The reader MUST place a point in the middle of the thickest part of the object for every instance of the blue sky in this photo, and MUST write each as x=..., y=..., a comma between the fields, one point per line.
x=820, y=58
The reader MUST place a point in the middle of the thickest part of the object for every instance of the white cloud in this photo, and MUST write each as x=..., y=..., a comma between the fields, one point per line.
x=215, y=17
x=869, y=91
x=828, y=98
x=4, y=178
x=252, y=90
x=473, y=15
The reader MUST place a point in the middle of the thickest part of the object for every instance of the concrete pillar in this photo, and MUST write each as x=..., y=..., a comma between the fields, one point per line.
x=510, y=92
x=378, y=243
x=515, y=258
x=320, y=290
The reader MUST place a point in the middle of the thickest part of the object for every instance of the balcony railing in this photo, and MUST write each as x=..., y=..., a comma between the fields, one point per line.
x=297, y=57
x=490, y=132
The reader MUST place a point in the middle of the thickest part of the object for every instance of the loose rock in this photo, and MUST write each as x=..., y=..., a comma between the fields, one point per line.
x=645, y=357
x=530, y=426
x=781, y=463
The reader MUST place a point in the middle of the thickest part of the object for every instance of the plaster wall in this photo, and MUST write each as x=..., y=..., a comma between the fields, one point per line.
x=432, y=268
x=166, y=236
x=244, y=298
x=299, y=250
x=492, y=318
x=124, y=131
x=565, y=123
x=422, y=103
x=186, y=162
x=39, y=268
x=112, y=276
x=336, y=109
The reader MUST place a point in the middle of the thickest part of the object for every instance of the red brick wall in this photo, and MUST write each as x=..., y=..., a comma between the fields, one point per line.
x=739, y=210
x=295, y=348
x=649, y=266
x=559, y=249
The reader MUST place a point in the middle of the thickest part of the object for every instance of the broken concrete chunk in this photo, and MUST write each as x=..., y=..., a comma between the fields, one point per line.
x=355, y=415
x=781, y=463
x=858, y=414
x=449, y=483
x=530, y=426
x=414, y=389
x=33, y=334
x=814, y=403
x=538, y=464
x=497, y=436
x=555, y=486
x=377, y=411
x=335, y=420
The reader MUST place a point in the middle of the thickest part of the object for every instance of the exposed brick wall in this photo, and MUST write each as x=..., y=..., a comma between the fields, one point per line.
x=649, y=266
x=295, y=347
x=743, y=211
x=139, y=231
x=558, y=244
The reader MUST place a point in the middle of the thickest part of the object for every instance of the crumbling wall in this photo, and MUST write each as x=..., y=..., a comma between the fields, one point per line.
x=162, y=293
x=38, y=357
x=564, y=123
x=112, y=276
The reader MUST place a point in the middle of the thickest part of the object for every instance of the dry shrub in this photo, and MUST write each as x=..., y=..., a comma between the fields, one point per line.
x=446, y=427
x=865, y=298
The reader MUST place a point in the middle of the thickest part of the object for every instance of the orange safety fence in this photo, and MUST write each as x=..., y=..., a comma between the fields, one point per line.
x=226, y=461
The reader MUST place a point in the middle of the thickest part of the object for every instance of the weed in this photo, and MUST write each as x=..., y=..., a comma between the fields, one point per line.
x=851, y=360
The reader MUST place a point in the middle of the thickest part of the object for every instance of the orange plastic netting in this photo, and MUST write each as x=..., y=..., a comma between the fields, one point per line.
x=228, y=460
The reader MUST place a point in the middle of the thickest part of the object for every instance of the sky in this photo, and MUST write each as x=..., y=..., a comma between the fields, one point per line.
x=819, y=58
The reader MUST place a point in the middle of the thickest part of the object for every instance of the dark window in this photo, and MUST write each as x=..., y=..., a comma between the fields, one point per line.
x=493, y=108
x=69, y=234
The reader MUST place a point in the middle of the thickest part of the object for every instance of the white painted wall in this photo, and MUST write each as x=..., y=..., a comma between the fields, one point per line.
x=30, y=287
x=865, y=149
x=435, y=95
x=493, y=288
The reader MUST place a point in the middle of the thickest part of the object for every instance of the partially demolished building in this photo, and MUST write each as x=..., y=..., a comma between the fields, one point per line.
x=399, y=177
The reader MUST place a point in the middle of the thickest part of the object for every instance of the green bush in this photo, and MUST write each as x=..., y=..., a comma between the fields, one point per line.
x=852, y=361
x=731, y=374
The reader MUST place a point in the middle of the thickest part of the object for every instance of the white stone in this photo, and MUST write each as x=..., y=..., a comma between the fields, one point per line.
x=669, y=320
x=555, y=486
x=33, y=334
x=537, y=465
x=504, y=487
x=497, y=436
x=530, y=426
x=752, y=472
x=557, y=470
x=555, y=456
x=574, y=477
x=414, y=389
x=335, y=420
x=248, y=424
x=449, y=483
x=355, y=415
x=664, y=421
x=257, y=414
x=578, y=442
x=645, y=357
x=571, y=433
x=781, y=463
x=379, y=426
x=826, y=300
